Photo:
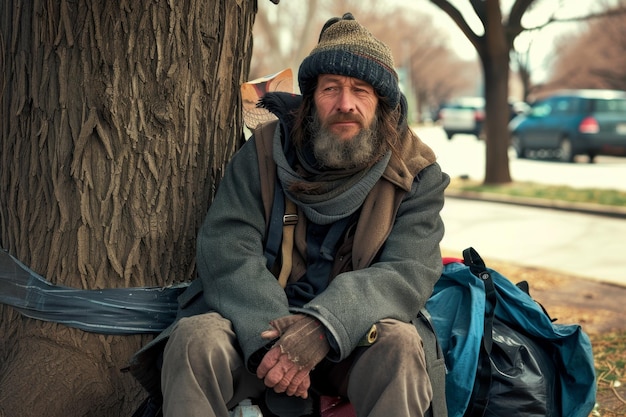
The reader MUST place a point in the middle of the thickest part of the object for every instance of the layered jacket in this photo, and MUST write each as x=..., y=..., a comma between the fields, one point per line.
x=386, y=269
x=386, y=266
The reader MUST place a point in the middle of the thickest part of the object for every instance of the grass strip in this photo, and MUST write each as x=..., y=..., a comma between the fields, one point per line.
x=606, y=197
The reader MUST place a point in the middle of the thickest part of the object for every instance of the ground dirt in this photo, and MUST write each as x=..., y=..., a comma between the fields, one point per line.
x=596, y=306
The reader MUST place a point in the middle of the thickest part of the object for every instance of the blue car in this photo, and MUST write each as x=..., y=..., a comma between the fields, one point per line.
x=572, y=122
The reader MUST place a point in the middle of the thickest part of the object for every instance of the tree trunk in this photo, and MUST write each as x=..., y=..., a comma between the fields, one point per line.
x=117, y=121
x=494, y=55
x=496, y=72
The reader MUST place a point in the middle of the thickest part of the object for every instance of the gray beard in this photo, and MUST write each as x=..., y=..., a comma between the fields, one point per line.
x=332, y=152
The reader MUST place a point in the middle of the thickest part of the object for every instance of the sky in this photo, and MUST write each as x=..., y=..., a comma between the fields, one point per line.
x=543, y=41
x=542, y=47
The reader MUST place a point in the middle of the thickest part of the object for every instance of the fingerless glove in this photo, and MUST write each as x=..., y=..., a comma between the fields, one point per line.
x=302, y=338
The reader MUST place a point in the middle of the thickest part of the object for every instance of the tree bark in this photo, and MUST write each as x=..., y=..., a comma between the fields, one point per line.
x=496, y=73
x=495, y=61
x=117, y=121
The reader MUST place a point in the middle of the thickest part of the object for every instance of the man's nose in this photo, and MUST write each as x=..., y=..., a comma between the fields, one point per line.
x=345, y=101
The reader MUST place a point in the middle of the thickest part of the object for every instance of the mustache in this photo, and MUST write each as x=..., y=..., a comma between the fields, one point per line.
x=345, y=117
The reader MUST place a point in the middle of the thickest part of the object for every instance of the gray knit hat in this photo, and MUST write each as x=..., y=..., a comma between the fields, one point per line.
x=347, y=48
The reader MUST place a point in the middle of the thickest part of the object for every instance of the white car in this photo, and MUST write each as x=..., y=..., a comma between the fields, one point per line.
x=465, y=115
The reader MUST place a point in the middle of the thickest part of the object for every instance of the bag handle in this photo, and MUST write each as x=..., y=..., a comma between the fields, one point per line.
x=480, y=392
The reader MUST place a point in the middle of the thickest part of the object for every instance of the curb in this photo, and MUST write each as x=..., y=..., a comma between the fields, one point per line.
x=584, y=208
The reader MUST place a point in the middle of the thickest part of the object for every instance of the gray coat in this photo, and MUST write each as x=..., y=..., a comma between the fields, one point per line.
x=405, y=249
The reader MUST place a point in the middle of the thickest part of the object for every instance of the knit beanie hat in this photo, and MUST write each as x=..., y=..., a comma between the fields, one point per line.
x=347, y=48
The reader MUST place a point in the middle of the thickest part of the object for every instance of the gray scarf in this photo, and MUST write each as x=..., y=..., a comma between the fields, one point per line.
x=340, y=196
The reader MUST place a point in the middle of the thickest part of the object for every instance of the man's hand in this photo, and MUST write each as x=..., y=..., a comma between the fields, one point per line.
x=301, y=345
x=281, y=374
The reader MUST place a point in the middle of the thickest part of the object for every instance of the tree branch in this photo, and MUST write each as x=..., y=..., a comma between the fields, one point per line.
x=514, y=26
x=480, y=10
x=458, y=18
x=607, y=13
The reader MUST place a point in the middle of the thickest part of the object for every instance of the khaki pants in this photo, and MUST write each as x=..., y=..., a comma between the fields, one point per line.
x=204, y=375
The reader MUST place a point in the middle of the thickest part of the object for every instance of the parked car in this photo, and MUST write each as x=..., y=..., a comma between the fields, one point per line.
x=517, y=107
x=465, y=115
x=573, y=122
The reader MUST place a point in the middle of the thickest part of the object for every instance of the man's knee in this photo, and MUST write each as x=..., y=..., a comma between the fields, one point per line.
x=391, y=377
x=199, y=339
x=399, y=339
x=397, y=351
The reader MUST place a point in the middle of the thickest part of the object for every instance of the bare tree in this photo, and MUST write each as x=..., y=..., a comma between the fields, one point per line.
x=437, y=75
x=285, y=35
x=117, y=120
x=593, y=58
x=434, y=72
x=494, y=46
x=521, y=60
x=588, y=54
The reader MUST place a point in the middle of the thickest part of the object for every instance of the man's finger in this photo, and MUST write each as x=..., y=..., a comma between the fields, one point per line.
x=270, y=334
x=282, y=372
x=300, y=384
x=284, y=379
x=268, y=362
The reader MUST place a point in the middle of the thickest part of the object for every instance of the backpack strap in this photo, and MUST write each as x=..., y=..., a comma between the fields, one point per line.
x=263, y=136
x=290, y=219
x=480, y=392
x=281, y=214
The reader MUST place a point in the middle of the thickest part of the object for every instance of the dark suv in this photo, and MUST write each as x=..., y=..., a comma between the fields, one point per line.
x=573, y=122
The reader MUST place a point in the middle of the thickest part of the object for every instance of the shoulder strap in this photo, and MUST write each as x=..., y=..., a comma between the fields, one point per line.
x=480, y=392
x=263, y=137
x=290, y=219
x=281, y=214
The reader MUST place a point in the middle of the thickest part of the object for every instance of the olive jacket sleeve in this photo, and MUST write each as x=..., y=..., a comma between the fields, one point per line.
x=229, y=254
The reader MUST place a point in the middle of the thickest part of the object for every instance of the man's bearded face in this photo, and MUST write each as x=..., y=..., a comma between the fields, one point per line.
x=334, y=152
x=344, y=122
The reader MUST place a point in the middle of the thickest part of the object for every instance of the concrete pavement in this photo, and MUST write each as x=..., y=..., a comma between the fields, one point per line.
x=591, y=246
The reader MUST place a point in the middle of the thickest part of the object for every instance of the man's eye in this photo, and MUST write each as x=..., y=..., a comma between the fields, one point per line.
x=359, y=89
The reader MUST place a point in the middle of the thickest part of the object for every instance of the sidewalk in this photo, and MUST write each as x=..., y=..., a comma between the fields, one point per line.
x=582, y=240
